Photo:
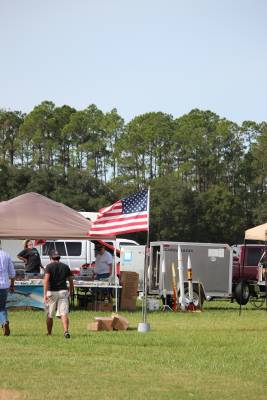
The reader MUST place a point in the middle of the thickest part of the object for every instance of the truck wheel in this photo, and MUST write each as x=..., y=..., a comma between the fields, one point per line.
x=242, y=293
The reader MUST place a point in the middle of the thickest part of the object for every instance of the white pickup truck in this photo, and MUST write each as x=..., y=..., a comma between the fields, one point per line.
x=74, y=253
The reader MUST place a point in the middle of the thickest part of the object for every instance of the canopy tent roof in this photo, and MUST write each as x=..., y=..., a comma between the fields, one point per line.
x=257, y=233
x=32, y=215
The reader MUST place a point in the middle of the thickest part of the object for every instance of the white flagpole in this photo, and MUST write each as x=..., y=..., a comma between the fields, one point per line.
x=115, y=276
x=144, y=326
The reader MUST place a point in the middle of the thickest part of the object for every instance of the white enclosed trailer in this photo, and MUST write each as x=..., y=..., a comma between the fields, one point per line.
x=211, y=266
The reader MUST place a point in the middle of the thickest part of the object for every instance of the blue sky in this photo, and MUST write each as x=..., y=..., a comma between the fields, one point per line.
x=136, y=55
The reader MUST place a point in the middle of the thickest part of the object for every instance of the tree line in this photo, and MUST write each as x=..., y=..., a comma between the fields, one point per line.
x=207, y=174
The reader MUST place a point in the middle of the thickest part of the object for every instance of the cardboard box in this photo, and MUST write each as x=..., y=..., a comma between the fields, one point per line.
x=120, y=323
x=106, y=323
x=129, y=281
x=115, y=322
x=94, y=326
x=127, y=276
x=130, y=290
x=128, y=304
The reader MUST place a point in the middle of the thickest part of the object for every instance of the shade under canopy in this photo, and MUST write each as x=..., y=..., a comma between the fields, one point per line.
x=257, y=233
x=32, y=215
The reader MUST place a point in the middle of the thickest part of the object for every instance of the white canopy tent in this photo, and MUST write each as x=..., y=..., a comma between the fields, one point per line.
x=257, y=233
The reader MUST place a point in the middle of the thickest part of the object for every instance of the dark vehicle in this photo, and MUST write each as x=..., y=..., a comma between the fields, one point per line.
x=247, y=273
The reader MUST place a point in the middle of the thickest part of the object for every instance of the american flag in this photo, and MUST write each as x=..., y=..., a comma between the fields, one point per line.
x=125, y=216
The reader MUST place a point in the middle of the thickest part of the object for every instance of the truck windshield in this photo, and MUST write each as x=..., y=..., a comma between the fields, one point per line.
x=253, y=256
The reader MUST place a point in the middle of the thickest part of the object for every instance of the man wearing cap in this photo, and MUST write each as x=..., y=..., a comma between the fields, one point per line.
x=56, y=292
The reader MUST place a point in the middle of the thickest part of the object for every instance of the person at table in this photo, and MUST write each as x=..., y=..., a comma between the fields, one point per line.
x=103, y=263
x=30, y=256
x=57, y=292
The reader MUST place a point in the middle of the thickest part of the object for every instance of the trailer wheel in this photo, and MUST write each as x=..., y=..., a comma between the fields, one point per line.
x=242, y=293
x=197, y=300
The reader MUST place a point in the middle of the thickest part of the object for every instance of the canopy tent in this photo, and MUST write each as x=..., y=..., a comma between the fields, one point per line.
x=257, y=233
x=32, y=215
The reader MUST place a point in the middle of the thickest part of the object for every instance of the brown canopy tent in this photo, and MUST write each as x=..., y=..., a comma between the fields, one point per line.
x=257, y=233
x=32, y=215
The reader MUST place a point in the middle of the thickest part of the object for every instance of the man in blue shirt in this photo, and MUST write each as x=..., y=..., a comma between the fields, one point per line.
x=7, y=278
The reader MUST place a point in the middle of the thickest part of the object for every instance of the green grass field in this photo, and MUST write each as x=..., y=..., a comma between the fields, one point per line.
x=216, y=354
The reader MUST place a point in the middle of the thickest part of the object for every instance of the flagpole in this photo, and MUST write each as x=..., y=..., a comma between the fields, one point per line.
x=115, y=277
x=144, y=326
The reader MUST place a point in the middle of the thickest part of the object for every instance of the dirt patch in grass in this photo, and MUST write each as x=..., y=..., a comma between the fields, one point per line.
x=11, y=394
